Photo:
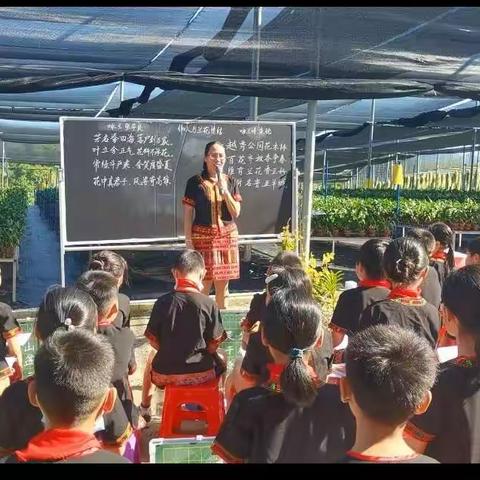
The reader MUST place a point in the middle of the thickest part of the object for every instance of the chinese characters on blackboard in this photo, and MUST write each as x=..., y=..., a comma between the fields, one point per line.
x=125, y=155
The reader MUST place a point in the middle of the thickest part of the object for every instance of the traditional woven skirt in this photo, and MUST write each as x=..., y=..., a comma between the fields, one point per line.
x=219, y=249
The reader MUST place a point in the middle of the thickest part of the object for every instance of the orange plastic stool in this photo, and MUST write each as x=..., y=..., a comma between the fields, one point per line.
x=207, y=395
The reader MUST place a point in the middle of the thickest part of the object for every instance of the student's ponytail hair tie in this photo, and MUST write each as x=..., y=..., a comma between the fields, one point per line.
x=296, y=353
x=270, y=278
x=68, y=324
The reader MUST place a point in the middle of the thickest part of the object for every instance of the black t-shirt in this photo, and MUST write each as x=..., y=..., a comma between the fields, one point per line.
x=122, y=341
x=123, y=317
x=416, y=314
x=262, y=427
x=431, y=288
x=204, y=196
x=9, y=327
x=441, y=267
x=19, y=419
x=355, y=457
x=352, y=303
x=183, y=324
x=257, y=356
x=452, y=421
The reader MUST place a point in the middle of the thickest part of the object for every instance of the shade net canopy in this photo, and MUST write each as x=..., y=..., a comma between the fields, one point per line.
x=196, y=62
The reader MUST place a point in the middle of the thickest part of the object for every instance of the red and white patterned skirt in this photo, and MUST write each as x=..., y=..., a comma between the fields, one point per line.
x=219, y=249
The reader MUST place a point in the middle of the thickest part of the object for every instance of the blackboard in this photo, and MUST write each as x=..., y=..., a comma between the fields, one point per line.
x=124, y=179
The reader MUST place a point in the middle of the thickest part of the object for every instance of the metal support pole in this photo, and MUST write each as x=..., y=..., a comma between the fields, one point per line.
x=257, y=22
x=122, y=91
x=308, y=175
x=255, y=73
x=356, y=178
x=3, y=164
x=472, y=159
x=324, y=172
x=476, y=169
x=370, y=144
x=417, y=171
x=463, y=169
x=437, y=169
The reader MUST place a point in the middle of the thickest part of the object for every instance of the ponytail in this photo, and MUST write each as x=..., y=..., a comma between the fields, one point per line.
x=450, y=258
x=292, y=326
x=297, y=384
x=446, y=237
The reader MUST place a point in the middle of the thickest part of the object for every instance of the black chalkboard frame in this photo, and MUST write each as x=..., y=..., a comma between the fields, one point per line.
x=162, y=243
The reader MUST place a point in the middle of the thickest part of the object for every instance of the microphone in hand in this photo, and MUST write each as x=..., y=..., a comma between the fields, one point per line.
x=221, y=184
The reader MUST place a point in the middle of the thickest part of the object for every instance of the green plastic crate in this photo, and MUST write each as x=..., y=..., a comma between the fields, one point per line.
x=182, y=450
x=30, y=348
x=231, y=323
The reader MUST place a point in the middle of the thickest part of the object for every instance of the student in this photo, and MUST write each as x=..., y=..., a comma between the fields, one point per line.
x=258, y=305
x=61, y=309
x=9, y=346
x=248, y=368
x=115, y=264
x=184, y=330
x=430, y=288
x=443, y=258
x=405, y=262
x=255, y=364
x=292, y=417
x=102, y=287
x=372, y=288
x=449, y=429
x=72, y=389
x=473, y=252
x=389, y=374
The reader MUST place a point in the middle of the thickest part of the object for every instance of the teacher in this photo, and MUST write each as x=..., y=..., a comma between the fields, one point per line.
x=210, y=205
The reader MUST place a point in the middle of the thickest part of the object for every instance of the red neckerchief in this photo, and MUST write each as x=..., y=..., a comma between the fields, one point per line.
x=439, y=255
x=399, y=292
x=274, y=372
x=183, y=284
x=375, y=283
x=58, y=444
x=466, y=361
x=105, y=323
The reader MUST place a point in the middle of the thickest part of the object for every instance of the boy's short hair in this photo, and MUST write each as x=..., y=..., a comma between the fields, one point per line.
x=424, y=236
x=473, y=246
x=389, y=369
x=371, y=258
x=73, y=371
x=101, y=286
x=189, y=261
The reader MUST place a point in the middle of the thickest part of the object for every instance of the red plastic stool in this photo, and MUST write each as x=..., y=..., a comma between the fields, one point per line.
x=207, y=395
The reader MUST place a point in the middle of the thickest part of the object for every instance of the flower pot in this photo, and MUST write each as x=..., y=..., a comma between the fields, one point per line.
x=7, y=252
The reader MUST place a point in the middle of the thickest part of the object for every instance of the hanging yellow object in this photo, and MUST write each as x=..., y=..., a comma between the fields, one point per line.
x=397, y=175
